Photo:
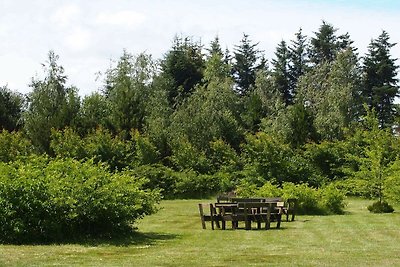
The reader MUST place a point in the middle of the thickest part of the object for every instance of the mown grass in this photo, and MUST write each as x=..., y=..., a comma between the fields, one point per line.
x=173, y=237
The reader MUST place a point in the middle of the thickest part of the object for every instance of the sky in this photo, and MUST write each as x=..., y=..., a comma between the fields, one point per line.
x=89, y=34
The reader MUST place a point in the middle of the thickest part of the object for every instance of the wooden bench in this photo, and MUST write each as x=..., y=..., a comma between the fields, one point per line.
x=212, y=216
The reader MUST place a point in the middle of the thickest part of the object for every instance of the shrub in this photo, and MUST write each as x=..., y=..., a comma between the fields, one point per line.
x=13, y=146
x=191, y=184
x=328, y=200
x=48, y=200
x=332, y=199
x=356, y=187
x=380, y=207
x=307, y=198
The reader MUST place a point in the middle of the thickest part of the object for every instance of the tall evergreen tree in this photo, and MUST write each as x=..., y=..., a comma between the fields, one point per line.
x=215, y=48
x=216, y=66
x=298, y=60
x=380, y=82
x=182, y=69
x=280, y=72
x=247, y=62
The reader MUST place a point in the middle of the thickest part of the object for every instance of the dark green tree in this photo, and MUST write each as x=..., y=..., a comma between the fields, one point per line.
x=298, y=60
x=281, y=72
x=182, y=69
x=247, y=60
x=325, y=45
x=127, y=89
x=380, y=82
x=94, y=113
x=51, y=104
x=216, y=65
x=215, y=48
x=11, y=104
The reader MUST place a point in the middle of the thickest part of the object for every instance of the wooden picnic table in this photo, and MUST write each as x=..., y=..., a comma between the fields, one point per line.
x=247, y=210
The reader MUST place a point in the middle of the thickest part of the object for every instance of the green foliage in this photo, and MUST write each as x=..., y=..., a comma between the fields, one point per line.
x=247, y=61
x=294, y=124
x=280, y=72
x=330, y=91
x=186, y=156
x=223, y=157
x=356, y=187
x=378, y=148
x=11, y=104
x=392, y=182
x=380, y=79
x=326, y=200
x=50, y=105
x=210, y=113
x=326, y=44
x=182, y=69
x=13, y=146
x=332, y=199
x=102, y=146
x=380, y=207
x=328, y=158
x=127, y=89
x=94, y=113
x=190, y=184
x=266, y=158
x=49, y=200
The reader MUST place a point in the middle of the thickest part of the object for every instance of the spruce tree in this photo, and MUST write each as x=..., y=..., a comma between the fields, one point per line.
x=280, y=72
x=182, y=69
x=247, y=62
x=298, y=60
x=380, y=83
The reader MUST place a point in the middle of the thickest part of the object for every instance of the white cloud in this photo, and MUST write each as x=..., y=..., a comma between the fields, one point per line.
x=127, y=18
x=66, y=15
x=78, y=40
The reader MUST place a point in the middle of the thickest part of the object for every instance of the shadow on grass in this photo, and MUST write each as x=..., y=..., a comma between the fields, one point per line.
x=131, y=238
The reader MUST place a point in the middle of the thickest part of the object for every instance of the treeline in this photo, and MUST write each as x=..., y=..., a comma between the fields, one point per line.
x=204, y=119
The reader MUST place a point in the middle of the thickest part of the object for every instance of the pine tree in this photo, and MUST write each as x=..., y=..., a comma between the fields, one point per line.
x=247, y=62
x=380, y=83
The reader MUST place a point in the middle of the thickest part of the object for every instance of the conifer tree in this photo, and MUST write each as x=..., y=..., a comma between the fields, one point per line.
x=247, y=62
x=380, y=82
x=280, y=72
x=181, y=69
x=298, y=60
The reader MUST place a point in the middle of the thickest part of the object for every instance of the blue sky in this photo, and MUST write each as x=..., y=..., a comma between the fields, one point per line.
x=88, y=34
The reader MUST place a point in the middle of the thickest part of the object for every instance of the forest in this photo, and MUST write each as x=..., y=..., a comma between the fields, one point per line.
x=317, y=122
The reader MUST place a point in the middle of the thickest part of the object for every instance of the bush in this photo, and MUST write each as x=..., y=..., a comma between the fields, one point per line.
x=332, y=200
x=190, y=184
x=13, y=146
x=380, y=207
x=49, y=200
x=328, y=200
x=307, y=198
x=356, y=187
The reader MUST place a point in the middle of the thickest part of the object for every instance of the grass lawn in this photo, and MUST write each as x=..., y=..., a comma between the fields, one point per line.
x=173, y=237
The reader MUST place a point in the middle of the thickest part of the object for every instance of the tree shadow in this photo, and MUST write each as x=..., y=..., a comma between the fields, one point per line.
x=128, y=239
x=123, y=239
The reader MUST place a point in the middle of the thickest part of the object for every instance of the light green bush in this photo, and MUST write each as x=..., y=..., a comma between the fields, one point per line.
x=53, y=199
